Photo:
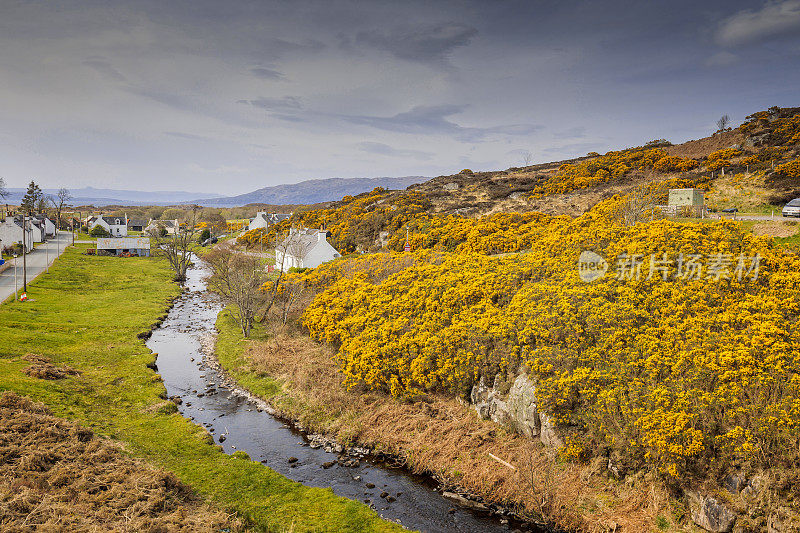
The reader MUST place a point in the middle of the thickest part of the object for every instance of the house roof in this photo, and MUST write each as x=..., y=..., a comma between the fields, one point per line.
x=165, y=223
x=299, y=242
x=136, y=222
x=111, y=220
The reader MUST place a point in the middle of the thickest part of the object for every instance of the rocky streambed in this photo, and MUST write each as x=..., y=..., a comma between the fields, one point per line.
x=238, y=421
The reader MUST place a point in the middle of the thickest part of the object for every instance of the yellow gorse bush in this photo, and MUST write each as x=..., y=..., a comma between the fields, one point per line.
x=672, y=373
x=612, y=165
x=789, y=170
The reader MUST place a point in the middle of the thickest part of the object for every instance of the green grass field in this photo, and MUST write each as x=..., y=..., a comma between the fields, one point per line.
x=86, y=313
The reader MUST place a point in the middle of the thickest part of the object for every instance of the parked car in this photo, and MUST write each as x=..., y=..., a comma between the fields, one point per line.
x=792, y=209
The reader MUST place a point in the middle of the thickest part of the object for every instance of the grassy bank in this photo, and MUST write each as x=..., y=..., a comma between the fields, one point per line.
x=86, y=313
x=438, y=435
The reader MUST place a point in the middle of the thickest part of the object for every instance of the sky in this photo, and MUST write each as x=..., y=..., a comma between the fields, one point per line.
x=230, y=96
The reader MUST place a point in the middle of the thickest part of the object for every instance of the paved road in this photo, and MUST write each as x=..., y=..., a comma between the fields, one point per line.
x=36, y=263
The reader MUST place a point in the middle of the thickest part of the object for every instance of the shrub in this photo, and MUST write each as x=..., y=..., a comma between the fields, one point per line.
x=675, y=373
x=99, y=231
x=204, y=235
x=789, y=170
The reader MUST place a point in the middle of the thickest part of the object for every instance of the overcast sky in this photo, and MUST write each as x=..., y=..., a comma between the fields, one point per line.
x=229, y=96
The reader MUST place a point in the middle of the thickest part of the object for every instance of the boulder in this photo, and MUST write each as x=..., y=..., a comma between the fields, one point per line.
x=548, y=432
x=521, y=405
x=709, y=513
x=734, y=483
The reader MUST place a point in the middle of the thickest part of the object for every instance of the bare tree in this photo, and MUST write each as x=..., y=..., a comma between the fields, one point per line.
x=237, y=278
x=4, y=194
x=642, y=203
x=287, y=246
x=43, y=203
x=176, y=246
x=723, y=122
x=60, y=202
x=527, y=157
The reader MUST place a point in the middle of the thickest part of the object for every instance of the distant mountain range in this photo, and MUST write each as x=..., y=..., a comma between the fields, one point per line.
x=104, y=197
x=310, y=191
x=305, y=192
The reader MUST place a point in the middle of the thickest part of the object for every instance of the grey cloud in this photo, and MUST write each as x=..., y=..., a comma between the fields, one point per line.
x=722, y=59
x=574, y=149
x=104, y=68
x=431, y=44
x=268, y=74
x=189, y=136
x=433, y=120
x=385, y=149
x=774, y=19
x=174, y=101
x=571, y=133
x=287, y=118
x=273, y=103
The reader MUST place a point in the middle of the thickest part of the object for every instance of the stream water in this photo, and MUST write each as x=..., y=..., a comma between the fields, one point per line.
x=411, y=501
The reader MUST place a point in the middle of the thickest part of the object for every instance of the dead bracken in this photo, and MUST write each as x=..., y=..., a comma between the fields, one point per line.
x=58, y=476
x=43, y=368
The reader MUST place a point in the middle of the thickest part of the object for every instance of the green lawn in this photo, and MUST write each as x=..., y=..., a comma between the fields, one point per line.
x=86, y=313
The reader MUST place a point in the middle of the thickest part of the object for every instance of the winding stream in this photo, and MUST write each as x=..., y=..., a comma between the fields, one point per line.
x=411, y=500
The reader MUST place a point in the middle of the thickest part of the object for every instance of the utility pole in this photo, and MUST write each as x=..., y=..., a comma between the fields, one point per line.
x=15, y=277
x=24, y=258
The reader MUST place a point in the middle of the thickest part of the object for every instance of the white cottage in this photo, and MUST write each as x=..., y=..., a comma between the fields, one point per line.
x=304, y=249
x=115, y=226
x=11, y=232
x=37, y=227
x=170, y=226
x=265, y=220
x=47, y=224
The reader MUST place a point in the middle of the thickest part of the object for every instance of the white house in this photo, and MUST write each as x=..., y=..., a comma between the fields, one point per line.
x=47, y=224
x=304, y=248
x=172, y=226
x=37, y=229
x=11, y=232
x=115, y=226
x=265, y=220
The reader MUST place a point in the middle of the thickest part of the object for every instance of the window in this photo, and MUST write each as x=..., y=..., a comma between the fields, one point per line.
x=794, y=203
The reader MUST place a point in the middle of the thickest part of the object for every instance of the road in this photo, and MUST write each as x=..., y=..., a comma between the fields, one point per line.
x=37, y=262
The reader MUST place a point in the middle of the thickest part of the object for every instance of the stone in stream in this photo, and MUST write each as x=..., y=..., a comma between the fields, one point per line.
x=464, y=502
x=222, y=438
x=370, y=485
x=384, y=494
x=391, y=499
x=292, y=459
x=328, y=464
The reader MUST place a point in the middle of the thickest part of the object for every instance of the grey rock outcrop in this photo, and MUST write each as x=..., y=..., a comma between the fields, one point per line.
x=517, y=408
x=521, y=404
x=710, y=514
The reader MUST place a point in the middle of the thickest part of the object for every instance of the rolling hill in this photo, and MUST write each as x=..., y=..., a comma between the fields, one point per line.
x=310, y=191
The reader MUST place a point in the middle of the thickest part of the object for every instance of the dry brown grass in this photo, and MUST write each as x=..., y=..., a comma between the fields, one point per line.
x=58, y=476
x=43, y=368
x=777, y=228
x=444, y=436
x=702, y=147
